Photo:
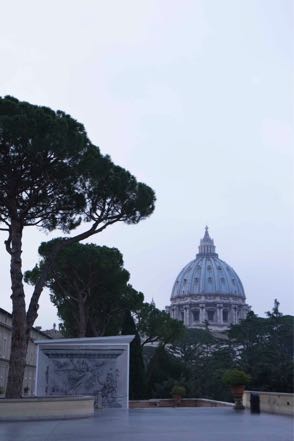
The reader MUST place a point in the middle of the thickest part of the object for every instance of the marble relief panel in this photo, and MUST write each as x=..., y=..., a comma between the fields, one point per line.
x=84, y=373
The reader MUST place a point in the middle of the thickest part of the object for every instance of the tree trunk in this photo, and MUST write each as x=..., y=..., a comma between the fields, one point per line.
x=82, y=316
x=19, y=339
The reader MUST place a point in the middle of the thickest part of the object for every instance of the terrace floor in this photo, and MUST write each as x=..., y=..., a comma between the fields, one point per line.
x=159, y=424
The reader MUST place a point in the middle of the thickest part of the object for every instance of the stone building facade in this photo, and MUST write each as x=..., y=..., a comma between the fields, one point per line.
x=208, y=291
x=5, y=343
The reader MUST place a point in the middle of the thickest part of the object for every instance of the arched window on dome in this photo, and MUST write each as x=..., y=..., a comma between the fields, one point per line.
x=209, y=268
x=209, y=280
x=196, y=280
x=222, y=281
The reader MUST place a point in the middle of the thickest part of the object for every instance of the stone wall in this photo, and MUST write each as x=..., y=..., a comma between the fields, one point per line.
x=5, y=343
x=171, y=402
x=273, y=402
x=46, y=408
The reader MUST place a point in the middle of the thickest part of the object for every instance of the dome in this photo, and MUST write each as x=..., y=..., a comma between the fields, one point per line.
x=207, y=275
x=208, y=292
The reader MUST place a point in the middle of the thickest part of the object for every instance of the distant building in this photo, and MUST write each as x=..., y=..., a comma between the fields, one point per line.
x=208, y=291
x=5, y=343
x=54, y=332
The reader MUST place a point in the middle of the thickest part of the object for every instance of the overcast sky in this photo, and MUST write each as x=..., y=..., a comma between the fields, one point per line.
x=195, y=98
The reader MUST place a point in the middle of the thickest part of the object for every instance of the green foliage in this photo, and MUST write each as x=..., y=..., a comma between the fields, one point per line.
x=137, y=383
x=193, y=344
x=264, y=348
x=40, y=152
x=163, y=371
x=53, y=177
x=261, y=347
x=89, y=287
x=205, y=358
x=235, y=377
x=163, y=368
x=178, y=390
x=157, y=326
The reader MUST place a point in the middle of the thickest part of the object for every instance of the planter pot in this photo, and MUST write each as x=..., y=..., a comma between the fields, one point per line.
x=178, y=399
x=237, y=392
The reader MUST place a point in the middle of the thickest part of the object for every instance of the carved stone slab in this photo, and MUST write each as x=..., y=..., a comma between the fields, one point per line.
x=91, y=366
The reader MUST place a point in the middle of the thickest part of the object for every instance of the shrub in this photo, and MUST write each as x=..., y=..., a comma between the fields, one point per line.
x=178, y=390
x=235, y=377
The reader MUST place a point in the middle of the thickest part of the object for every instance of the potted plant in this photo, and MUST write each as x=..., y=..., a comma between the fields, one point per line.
x=237, y=379
x=178, y=392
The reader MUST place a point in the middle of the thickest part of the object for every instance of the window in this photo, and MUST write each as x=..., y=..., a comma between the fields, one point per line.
x=209, y=280
x=209, y=268
x=225, y=316
x=182, y=315
x=233, y=280
x=210, y=315
x=222, y=281
x=196, y=315
x=196, y=280
x=4, y=347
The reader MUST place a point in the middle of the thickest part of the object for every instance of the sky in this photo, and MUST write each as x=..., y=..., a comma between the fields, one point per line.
x=195, y=98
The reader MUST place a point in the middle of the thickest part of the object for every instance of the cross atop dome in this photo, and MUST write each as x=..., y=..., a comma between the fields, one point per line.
x=206, y=234
x=206, y=246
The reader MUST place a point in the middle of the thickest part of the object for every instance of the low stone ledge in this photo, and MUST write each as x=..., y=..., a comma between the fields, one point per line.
x=205, y=402
x=44, y=408
x=170, y=402
x=272, y=402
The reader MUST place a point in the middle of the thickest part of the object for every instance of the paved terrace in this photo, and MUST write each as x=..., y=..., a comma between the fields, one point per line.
x=160, y=424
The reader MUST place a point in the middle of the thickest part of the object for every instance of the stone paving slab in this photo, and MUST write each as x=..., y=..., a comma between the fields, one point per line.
x=160, y=424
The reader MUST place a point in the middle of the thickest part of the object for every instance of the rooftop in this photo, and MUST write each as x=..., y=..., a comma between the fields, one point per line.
x=160, y=424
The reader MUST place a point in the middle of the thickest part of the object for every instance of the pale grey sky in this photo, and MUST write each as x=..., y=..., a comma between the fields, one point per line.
x=195, y=98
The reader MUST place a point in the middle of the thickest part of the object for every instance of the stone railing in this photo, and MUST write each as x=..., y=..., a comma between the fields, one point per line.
x=170, y=402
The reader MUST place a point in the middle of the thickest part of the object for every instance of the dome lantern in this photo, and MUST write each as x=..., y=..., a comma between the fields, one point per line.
x=206, y=247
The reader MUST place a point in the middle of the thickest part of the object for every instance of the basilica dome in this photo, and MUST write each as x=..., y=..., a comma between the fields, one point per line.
x=208, y=291
x=207, y=274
